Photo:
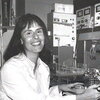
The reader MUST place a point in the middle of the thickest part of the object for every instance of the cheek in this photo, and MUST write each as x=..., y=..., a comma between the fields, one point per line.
x=43, y=40
x=42, y=37
x=28, y=39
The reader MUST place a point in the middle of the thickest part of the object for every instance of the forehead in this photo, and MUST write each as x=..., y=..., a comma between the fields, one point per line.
x=33, y=26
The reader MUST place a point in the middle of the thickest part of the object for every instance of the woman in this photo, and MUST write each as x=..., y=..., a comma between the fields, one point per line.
x=25, y=76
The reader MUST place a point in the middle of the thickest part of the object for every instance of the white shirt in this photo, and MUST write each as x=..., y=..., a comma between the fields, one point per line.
x=21, y=83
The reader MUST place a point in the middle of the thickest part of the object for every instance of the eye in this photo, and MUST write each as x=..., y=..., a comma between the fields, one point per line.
x=28, y=33
x=40, y=31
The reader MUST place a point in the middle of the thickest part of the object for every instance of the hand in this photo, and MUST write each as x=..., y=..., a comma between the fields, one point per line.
x=74, y=88
x=66, y=87
x=91, y=93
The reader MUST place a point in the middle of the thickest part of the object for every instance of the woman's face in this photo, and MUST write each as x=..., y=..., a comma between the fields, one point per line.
x=33, y=38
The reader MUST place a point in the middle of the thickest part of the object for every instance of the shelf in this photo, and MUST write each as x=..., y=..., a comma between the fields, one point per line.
x=10, y=10
x=7, y=27
x=90, y=36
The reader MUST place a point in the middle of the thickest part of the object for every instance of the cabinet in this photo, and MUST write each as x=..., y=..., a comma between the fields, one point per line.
x=91, y=49
x=10, y=10
x=78, y=4
x=88, y=38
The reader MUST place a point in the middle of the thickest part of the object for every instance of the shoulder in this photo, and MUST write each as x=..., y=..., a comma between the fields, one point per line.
x=12, y=70
x=12, y=64
x=15, y=60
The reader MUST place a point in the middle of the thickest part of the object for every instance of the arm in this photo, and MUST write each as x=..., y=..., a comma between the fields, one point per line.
x=91, y=93
x=17, y=88
x=54, y=92
x=88, y=95
x=73, y=88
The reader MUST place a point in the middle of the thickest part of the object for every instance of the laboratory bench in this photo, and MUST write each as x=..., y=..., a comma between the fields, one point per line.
x=87, y=76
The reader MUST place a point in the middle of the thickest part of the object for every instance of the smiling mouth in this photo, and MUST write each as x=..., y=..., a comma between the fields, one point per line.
x=36, y=43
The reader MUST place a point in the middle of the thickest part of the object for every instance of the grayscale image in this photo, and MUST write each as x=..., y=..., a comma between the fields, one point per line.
x=49, y=50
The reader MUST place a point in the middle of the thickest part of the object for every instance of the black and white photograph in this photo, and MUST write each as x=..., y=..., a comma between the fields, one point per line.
x=49, y=49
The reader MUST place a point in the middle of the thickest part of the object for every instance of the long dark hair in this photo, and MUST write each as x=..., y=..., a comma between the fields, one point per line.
x=15, y=45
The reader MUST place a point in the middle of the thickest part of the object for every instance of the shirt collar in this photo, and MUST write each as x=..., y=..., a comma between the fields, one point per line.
x=32, y=64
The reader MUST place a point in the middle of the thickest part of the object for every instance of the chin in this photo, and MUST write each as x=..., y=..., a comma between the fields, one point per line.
x=38, y=50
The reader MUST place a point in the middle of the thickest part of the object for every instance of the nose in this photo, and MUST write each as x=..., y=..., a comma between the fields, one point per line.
x=35, y=36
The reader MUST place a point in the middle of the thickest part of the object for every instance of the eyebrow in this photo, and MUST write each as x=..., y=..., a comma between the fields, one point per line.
x=39, y=28
x=31, y=30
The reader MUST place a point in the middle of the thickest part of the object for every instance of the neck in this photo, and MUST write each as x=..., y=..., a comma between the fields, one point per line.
x=32, y=56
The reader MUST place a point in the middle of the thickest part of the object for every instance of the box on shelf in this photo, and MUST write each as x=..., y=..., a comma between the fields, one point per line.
x=63, y=8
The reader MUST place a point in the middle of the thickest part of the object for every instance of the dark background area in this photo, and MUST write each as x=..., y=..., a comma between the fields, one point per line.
x=78, y=4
